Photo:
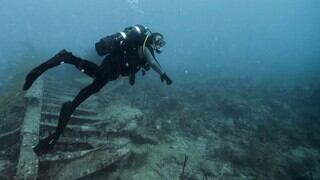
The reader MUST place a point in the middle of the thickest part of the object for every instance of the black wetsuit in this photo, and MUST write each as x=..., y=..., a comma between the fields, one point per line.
x=124, y=62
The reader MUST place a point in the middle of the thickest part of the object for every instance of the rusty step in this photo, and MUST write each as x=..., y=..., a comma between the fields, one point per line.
x=69, y=133
x=75, y=120
x=47, y=100
x=55, y=87
x=64, y=92
x=60, y=96
x=80, y=128
x=56, y=90
x=68, y=98
x=54, y=108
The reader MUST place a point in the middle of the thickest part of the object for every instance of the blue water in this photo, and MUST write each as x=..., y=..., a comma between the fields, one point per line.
x=265, y=52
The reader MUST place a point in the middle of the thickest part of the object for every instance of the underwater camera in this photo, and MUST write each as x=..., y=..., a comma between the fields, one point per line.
x=110, y=43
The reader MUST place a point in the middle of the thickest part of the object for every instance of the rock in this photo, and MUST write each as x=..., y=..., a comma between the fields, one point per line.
x=146, y=175
x=207, y=168
x=131, y=126
x=121, y=113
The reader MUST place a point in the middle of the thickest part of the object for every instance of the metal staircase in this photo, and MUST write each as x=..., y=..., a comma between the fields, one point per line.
x=82, y=143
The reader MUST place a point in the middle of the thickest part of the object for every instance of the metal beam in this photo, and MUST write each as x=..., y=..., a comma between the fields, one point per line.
x=28, y=163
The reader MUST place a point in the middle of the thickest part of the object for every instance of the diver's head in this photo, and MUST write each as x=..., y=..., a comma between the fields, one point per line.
x=158, y=42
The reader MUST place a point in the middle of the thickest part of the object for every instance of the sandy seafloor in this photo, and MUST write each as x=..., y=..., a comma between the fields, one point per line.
x=226, y=128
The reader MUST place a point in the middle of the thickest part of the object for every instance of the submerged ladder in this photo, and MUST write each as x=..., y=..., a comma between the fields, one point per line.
x=28, y=162
x=43, y=102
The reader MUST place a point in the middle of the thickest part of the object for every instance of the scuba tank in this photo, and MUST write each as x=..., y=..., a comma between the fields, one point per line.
x=133, y=34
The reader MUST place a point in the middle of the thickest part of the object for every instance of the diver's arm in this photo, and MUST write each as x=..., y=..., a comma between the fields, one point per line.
x=152, y=62
x=156, y=66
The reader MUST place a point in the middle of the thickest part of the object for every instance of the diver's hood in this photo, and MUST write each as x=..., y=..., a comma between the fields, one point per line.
x=158, y=42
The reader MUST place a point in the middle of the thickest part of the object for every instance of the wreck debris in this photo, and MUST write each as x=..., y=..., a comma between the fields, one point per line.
x=9, y=137
x=6, y=169
x=28, y=164
x=82, y=145
x=87, y=163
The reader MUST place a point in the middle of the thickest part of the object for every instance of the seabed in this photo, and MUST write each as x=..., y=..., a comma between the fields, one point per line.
x=214, y=130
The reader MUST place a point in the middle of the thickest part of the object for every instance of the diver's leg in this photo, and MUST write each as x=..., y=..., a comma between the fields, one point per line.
x=88, y=67
x=46, y=145
x=63, y=56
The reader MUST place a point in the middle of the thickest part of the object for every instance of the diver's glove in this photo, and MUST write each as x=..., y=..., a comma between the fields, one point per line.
x=166, y=78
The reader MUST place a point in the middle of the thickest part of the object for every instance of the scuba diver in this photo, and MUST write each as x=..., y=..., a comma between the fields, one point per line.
x=125, y=52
